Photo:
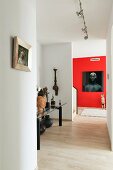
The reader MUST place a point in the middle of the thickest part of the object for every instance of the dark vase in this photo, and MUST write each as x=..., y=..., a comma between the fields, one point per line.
x=47, y=105
x=52, y=104
x=42, y=126
x=48, y=121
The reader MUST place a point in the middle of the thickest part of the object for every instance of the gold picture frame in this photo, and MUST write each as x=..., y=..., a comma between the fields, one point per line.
x=22, y=55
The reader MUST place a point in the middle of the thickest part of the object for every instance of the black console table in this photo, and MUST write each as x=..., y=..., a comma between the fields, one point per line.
x=46, y=112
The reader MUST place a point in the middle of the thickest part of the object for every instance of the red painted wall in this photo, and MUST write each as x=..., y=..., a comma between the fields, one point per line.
x=88, y=99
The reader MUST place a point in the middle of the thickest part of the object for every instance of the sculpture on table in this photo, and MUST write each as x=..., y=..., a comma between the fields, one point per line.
x=47, y=97
x=55, y=87
x=52, y=102
x=41, y=101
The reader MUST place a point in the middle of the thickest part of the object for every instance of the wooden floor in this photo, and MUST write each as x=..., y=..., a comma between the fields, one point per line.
x=79, y=145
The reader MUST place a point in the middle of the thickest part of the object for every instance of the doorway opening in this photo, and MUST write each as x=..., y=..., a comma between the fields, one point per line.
x=89, y=86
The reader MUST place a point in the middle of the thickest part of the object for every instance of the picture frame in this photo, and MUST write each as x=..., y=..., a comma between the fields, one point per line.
x=93, y=81
x=22, y=59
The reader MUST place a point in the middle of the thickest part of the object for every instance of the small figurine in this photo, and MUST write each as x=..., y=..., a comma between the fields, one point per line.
x=103, y=101
x=59, y=102
x=52, y=102
x=46, y=94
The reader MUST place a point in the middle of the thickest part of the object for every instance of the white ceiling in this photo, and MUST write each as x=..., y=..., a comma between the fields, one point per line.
x=57, y=20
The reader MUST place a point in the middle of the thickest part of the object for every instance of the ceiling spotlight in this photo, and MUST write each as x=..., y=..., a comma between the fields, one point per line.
x=81, y=14
x=86, y=37
x=84, y=29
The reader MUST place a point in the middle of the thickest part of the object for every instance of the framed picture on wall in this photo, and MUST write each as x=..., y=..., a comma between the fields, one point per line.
x=21, y=55
x=92, y=81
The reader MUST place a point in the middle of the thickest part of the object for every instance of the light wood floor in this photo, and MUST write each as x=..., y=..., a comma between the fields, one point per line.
x=79, y=145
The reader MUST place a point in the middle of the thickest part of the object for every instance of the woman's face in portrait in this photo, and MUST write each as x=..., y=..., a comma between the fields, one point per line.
x=93, y=76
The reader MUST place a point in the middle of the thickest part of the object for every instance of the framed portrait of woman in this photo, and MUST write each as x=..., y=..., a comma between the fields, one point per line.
x=21, y=55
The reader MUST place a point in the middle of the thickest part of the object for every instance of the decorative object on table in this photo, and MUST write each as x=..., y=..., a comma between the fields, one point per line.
x=46, y=93
x=41, y=92
x=52, y=102
x=55, y=87
x=41, y=101
x=42, y=126
x=21, y=55
x=48, y=121
x=41, y=104
x=47, y=105
x=59, y=102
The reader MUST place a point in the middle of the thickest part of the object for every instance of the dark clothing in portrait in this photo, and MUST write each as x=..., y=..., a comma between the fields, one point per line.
x=93, y=87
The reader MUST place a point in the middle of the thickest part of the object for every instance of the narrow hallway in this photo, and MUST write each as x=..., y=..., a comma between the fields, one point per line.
x=80, y=145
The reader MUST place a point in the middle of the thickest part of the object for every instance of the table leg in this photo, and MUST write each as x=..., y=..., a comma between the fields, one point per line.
x=38, y=134
x=60, y=116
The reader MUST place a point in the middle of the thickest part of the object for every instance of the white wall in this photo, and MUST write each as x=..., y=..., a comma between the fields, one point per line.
x=0, y=109
x=39, y=64
x=18, y=88
x=1, y=129
x=89, y=48
x=110, y=79
x=58, y=56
